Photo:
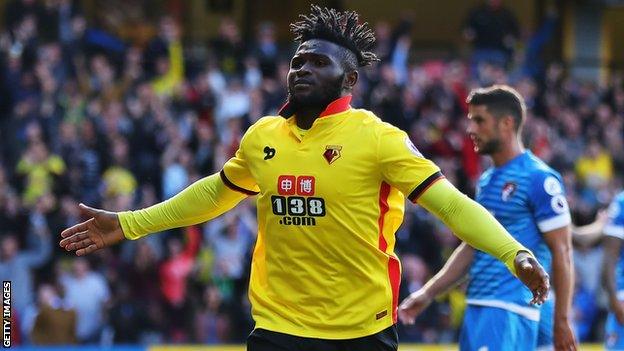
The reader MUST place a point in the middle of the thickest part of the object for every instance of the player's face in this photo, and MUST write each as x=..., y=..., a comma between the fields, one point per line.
x=316, y=76
x=483, y=129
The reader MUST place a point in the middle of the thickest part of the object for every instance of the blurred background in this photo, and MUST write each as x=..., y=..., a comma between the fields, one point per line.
x=122, y=103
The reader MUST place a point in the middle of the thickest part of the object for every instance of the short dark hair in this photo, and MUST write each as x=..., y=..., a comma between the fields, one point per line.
x=340, y=28
x=500, y=101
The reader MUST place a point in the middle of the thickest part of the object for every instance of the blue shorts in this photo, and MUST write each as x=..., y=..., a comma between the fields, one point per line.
x=614, y=334
x=496, y=329
x=545, y=331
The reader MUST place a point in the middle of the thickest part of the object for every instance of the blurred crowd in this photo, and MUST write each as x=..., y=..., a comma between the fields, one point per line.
x=88, y=117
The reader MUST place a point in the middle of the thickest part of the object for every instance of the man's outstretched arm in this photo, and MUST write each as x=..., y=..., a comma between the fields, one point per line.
x=476, y=226
x=203, y=200
x=454, y=270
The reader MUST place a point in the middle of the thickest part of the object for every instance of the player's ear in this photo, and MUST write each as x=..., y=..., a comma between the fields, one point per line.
x=351, y=77
x=509, y=123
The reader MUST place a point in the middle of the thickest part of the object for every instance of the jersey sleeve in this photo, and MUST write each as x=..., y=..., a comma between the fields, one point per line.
x=548, y=201
x=236, y=173
x=615, y=222
x=484, y=233
x=403, y=166
x=203, y=200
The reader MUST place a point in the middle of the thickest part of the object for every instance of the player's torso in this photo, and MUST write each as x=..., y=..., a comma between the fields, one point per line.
x=304, y=181
x=505, y=192
x=319, y=225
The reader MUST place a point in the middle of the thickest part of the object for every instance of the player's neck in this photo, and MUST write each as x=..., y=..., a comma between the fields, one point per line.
x=507, y=153
x=307, y=116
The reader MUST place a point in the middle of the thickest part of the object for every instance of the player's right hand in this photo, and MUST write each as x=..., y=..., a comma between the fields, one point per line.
x=414, y=305
x=100, y=230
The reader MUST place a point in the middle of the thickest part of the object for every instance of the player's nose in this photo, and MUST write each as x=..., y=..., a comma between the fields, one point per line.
x=303, y=70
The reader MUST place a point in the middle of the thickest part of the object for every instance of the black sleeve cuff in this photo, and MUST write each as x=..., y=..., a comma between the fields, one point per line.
x=235, y=187
x=413, y=196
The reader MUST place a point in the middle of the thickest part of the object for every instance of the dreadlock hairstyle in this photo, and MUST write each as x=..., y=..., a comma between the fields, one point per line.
x=340, y=28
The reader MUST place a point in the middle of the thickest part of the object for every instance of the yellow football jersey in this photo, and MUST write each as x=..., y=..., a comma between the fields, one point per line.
x=329, y=204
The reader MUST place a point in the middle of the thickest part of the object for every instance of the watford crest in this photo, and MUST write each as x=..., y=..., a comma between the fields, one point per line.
x=332, y=153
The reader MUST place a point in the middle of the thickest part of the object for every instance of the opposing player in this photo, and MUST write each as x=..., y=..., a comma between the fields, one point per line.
x=331, y=182
x=613, y=273
x=527, y=197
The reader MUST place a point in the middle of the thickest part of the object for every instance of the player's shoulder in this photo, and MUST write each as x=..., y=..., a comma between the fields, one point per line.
x=365, y=117
x=268, y=121
x=619, y=199
x=373, y=123
x=542, y=175
x=263, y=125
x=370, y=128
x=538, y=168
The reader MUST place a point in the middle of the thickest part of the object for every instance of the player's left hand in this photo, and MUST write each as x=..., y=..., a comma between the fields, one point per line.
x=564, y=337
x=533, y=275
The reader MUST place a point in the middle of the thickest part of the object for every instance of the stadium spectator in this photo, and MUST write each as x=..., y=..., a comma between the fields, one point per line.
x=17, y=265
x=89, y=294
x=493, y=30
x=176, y=164
x=55, y=321
x=266, y=49
x=169, y=68
x=595, y=167
x=145, y=297
x=39, y=170
x=231, y=239
x=174, y=273
x=228, y=48
x=212, y=325
x=429, y=326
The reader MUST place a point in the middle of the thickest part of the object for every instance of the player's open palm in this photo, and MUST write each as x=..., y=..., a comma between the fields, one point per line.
x=100, y=230
x=533, y=275
x=413, y=306
x=564, y=337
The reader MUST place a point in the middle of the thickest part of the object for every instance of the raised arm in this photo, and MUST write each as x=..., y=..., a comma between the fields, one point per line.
x=39, y=248
x=203, y=200
x=476, y=226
